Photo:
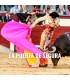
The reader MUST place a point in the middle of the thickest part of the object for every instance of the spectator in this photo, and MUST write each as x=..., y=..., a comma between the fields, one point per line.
x=14, y=9
x=34, y=9
x=1, y=20
x=29, y=8
x=8, y=17
x=38, y=10
x=61, y=10
x=24, y=9
x=10, y=6
x=47, y=10
x=5, y=7
x=28, y=20
x=68, y=13
x=56, y=7
x=31, y=19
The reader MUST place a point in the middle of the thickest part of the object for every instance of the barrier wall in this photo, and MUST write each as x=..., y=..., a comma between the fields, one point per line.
x=14, y=16
x=65, y=20
x=3, y=41
x=36, y=32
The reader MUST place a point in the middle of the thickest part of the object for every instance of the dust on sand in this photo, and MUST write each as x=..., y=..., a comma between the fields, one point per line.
x=19, y=65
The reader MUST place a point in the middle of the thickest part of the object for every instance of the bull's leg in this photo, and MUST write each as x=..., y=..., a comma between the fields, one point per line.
x=55, y=61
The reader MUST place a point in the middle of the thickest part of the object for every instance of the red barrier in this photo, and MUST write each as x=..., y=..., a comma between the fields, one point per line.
x=59, y=31
x=36, y=34
x=3, y=41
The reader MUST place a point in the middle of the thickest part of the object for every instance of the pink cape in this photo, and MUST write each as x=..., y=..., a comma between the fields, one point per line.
x=17, y=33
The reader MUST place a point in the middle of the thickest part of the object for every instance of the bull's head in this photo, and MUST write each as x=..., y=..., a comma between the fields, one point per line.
x=52, y=50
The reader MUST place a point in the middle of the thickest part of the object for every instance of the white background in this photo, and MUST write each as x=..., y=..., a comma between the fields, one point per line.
x=35, y=2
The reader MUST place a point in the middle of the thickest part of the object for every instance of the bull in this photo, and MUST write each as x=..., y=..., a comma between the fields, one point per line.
x=62, y=46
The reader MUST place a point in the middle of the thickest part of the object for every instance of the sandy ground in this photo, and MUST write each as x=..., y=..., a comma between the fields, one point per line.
x=19, y=66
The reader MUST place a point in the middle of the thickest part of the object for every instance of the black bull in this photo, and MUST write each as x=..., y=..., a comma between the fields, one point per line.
x=62, y=46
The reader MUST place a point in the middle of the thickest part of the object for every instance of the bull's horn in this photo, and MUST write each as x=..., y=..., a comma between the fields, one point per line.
x=54, y=49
